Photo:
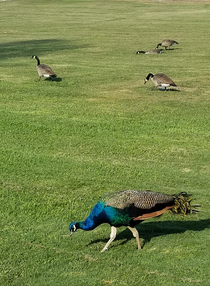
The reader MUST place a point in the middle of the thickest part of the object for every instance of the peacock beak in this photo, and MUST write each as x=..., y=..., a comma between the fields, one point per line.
x=72, y=229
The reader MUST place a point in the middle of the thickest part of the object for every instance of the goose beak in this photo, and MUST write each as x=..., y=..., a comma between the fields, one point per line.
x=145, y=81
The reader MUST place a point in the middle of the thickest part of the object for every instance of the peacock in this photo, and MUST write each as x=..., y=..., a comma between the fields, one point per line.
x=129, y=208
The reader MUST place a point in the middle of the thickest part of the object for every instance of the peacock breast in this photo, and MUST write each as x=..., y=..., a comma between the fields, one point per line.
x=117, y=217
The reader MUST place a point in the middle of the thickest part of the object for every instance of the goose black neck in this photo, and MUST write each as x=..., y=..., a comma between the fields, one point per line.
x=149, y=75
x=38, y=61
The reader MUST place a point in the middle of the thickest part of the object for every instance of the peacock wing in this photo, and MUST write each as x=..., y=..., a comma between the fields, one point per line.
x=139, y=199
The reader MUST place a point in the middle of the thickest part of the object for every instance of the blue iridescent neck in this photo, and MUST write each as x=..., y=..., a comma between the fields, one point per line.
x=96, y=217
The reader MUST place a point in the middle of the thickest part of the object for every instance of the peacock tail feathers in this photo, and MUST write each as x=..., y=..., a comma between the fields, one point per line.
x=182, y=204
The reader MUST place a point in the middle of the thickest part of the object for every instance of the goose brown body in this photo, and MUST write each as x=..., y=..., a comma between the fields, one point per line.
x=167, y=43
x=160, y=80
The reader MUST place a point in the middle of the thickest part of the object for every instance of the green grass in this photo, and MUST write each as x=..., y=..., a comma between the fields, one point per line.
x=65, y=144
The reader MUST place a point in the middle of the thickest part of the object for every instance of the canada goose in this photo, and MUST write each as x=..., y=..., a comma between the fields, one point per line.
x=167, y=43
x=160, y=80
x=43, y=70
x=152, y=52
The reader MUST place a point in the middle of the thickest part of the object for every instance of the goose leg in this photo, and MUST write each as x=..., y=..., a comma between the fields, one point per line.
x=136, y=235
x=112, y=237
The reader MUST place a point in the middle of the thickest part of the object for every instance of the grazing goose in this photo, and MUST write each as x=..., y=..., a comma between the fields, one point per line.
x=152, y=52
x=167, y=44
x=43, y=70
x=160, y=80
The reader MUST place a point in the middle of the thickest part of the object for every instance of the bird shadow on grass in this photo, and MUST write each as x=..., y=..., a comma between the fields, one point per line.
x=35, y=47
x=56, y=79
x=173, y=49
x=168, y=89
x=149, y=230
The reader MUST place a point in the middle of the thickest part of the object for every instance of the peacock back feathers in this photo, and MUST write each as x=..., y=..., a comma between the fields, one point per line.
x=139, y=199
x=141, y=205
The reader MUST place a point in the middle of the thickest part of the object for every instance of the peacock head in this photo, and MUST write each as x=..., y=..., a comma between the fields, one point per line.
x=73, y=227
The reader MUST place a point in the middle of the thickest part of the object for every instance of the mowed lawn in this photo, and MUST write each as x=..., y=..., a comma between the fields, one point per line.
x=99, y=129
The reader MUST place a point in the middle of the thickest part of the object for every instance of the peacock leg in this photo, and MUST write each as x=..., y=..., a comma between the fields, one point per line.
x=112, y=237
x=136, y=235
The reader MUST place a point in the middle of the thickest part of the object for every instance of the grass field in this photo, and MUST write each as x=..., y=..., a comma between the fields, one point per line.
x=65, y=144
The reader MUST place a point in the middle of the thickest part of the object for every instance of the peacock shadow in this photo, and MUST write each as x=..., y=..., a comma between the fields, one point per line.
x=149, y=230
